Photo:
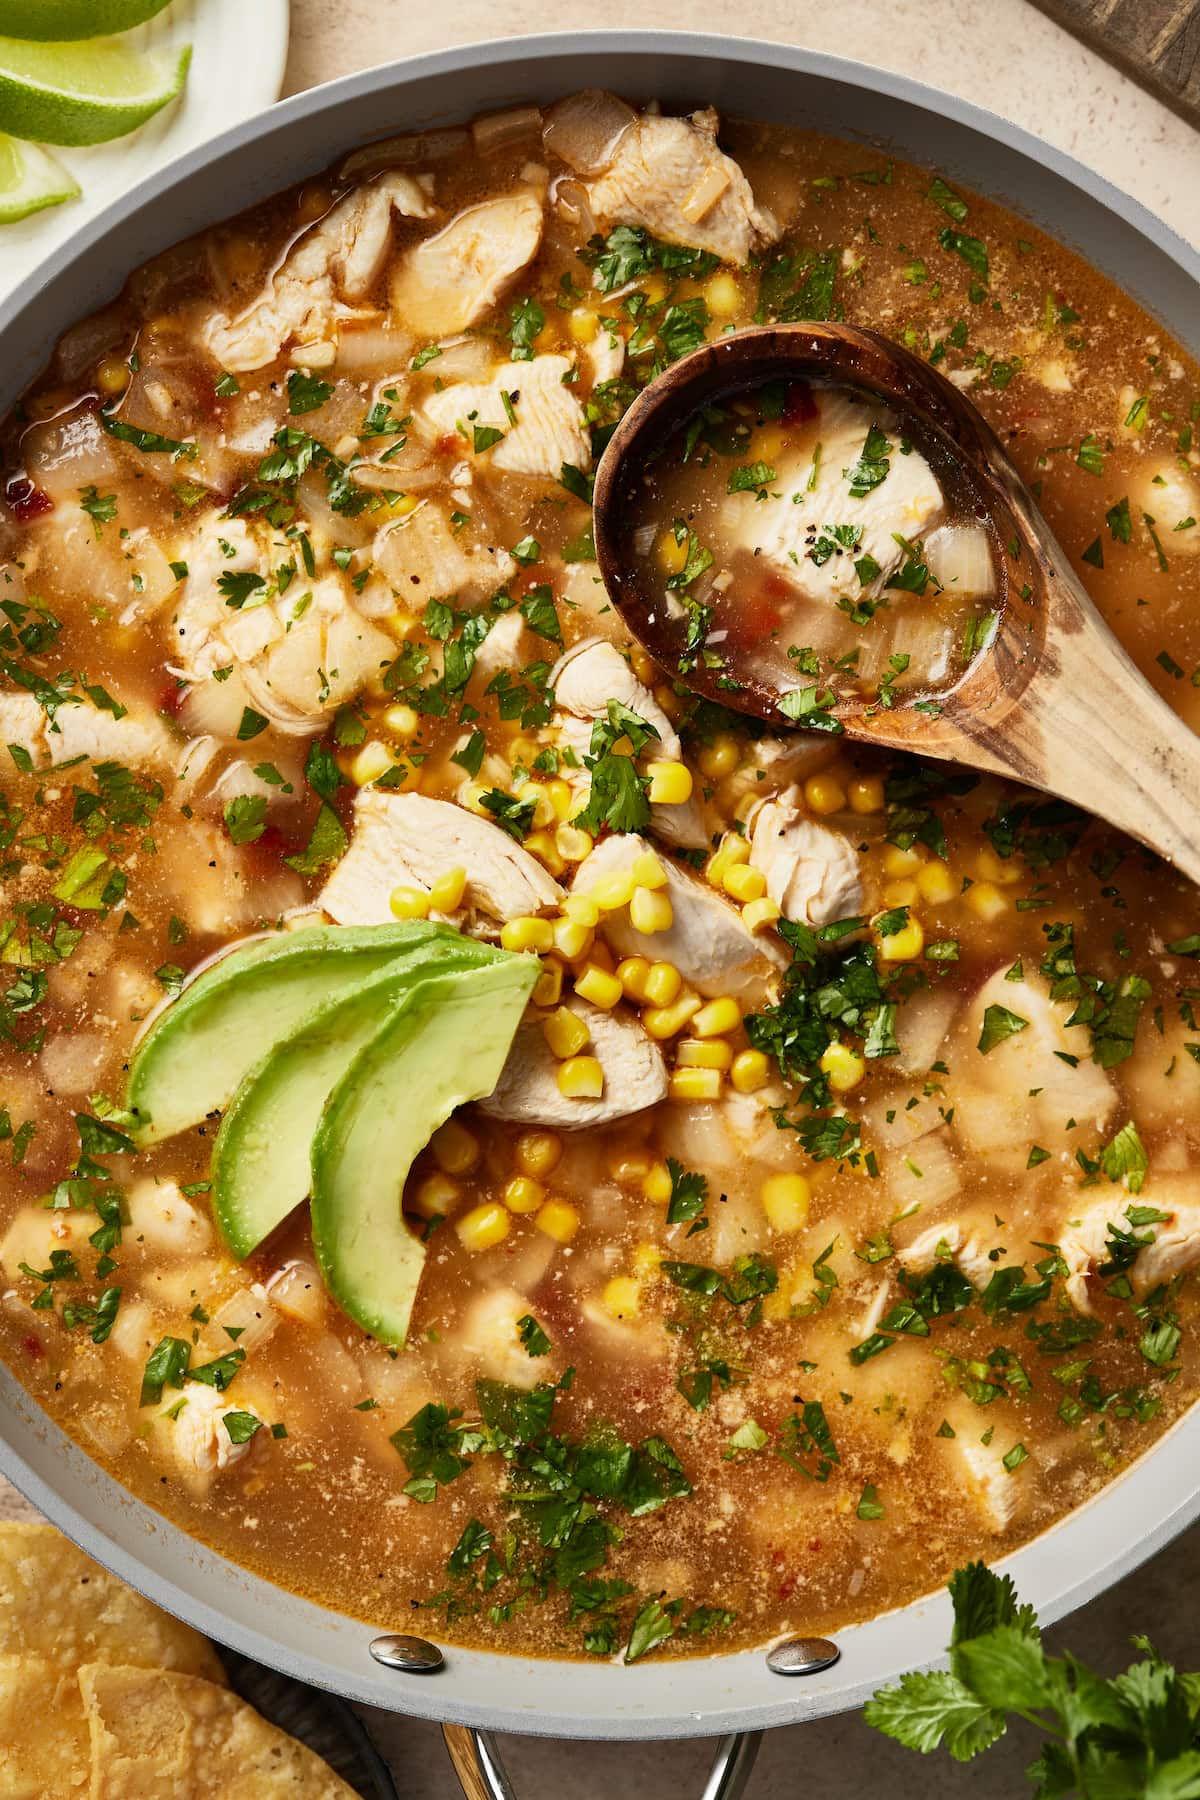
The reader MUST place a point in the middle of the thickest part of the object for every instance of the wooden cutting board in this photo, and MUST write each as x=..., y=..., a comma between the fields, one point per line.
x=1157, y=42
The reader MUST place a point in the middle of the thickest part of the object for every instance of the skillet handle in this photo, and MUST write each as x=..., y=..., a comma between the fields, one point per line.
x=483, y=1776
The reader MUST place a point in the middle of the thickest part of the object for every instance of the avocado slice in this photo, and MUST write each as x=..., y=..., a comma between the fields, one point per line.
x=446, y=1045
x=262, y=1165
x=196, y=1052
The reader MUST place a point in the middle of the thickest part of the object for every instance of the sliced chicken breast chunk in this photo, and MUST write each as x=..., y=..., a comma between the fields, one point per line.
x=190, y=1429
x=978, y=1468
x=140, y=739
x=708, y=942
x=335, y=262
x=546, y=428
x=811, y=871
x=423, y=559
x=489, y=1331
x=948, y=1242
x=450, y=280
x=1175, y=1246
x=407, y=840
x=635, y=1075
x=669, y=176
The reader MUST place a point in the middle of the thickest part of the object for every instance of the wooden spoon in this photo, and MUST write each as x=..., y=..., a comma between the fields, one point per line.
x=1054, y=702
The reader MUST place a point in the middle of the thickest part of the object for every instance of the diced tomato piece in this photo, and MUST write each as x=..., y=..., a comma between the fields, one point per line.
x=448, y=443
x=25, y=501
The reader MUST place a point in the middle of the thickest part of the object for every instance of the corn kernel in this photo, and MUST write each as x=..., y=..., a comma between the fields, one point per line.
x=527, y=934
x=935, y=883
x=865, y=794
x=673, y=704
x=650, y=912
x=901, y=893
x=435, y=1196
x=573, y=844
x=990, y=867
x=542, y=845
x=695, y=1084
x=523, y=1194
x=547, y=989
x=601, y=989
x=718, y=1017
x=471, y=795
x=582, y=324
x=721, y=757
x=581, y=909
x=562, y=797
x=537, y=1152
x=663, y=982
x=113, y=375
x=483, y=1227
x=670, y=783
x=666, y=1021
x=643, y=665
x=565, y=1032
x=372, y=761
x=823, y=794
x=785, y=1201
x=986, y=901
x=628, y=1166
x=723, y=296
x=559, y=1220
x=744, y=883
x=409, y=903
x=646, y=1260
x=612, y=892
x=581, y=1078
x=757, y=913
x=703, y=1053
x=732, y=849
x=844, y=1067
x=455, y=1149
x=657, y=1184
x=648, y=871
x=903, y=945
x=670, y=554
x=446, y=894
x=621, y=1296
x=750, y=1071
x=402, y=721
x=903, y=862
x=572, y=940
x=632, y=974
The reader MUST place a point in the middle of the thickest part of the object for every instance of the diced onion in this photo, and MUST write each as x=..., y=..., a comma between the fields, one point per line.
x=496, y=131
x=584, y=129
x=960, y=558
x=247, y=1319
x=404, y=152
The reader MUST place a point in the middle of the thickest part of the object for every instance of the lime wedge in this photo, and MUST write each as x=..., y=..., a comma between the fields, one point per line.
x=84, y=93
x=44, y=19
x=30, y=179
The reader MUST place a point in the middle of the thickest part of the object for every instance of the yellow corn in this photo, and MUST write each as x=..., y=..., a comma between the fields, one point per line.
x=632, y=974
x=650, y=912
x=750, y=1071
x=559, y=1220
x=757, y=913
x=582, y=325
x=565, y=1032
x=446, y=894
x=901, y=893
x=903, y=945
x=721, y=757
x=372, y=761
x=547, y=989
x=572, y=940
x=455, y=1149
x=537, y=1152
x=844, y=1067
x=628, y=1166
x=823, y=794
x=573, y=844
x=670, y=783
x=643, y=665
x=703, y=1053
x=718, y=1017
x=527, y=934
x=621, y=1296
x=936, y=884
x=602, y=989
x=663, y=982
x=785, y=1201
x=657, y=1183
x=435, y=1196
x=612, y=892
x=602, y=956
x=409, y=903
x=744, y=883
x=471, y=795
x=648, y=872
x=695, y=1084
x=986, y=901
x=543, y=807
x=112, y=375
x=732, y=850
x=903, y=862
x=581, y=1078
x=402, y=721
x=483, y=1227
x=866, y=794
x=543, y=845
x=523, y=1194
x=646, y=1260
x=669, y=553
x=581, y=909
x=561, y=797
x=673, y=704
x=665, y=1021
x=723, y=296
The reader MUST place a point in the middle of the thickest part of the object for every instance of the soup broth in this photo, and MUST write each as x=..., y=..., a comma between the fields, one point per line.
x=835, y=1215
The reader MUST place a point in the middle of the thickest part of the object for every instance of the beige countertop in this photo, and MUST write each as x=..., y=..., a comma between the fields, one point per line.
x=1003, y=55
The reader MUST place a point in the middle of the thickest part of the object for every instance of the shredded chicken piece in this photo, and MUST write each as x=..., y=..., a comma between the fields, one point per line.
x=811, y=870
x=138, y=739
x=635, y=1074
x=450, y=280
x=423, y=559
x=546, y=427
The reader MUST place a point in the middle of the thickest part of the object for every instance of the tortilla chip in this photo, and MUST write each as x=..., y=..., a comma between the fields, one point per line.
x=158, y=1736
x=56, y=1603
x=44, y=1750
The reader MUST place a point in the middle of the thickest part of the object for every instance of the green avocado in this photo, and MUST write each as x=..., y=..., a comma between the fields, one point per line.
x=195, y=1054
x=262, y=1166
x=445, y=1046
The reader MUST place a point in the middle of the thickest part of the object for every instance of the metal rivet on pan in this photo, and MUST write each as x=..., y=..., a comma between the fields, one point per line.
x=802, y=1656
x=416, y=1656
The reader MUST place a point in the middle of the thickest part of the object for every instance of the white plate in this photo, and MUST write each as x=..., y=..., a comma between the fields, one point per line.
x=239, y=48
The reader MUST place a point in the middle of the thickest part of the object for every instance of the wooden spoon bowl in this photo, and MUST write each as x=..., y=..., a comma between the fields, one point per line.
x=1054, y=702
